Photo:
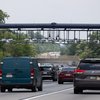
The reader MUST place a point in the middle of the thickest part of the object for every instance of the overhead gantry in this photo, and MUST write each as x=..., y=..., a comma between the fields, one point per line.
x=55, y=32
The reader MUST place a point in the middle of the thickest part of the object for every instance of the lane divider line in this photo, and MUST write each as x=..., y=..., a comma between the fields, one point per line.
x=47, y=94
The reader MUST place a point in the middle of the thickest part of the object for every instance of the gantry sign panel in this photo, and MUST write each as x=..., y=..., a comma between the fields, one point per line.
x=54, y=32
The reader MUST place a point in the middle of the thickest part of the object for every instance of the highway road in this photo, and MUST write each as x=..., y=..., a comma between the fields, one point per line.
x=51, y=91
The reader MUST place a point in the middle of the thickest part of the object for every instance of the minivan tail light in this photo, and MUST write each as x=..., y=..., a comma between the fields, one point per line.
x=0, y=73
x=78, y=71
x=32, y=73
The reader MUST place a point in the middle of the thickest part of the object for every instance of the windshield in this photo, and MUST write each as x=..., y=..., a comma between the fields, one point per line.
x=16, y=62
x=45, y=68
x=89, y=66
x=68, y=69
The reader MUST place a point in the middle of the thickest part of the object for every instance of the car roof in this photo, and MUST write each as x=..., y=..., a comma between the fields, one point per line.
x=46, y=66
x=67, y=67
x=90, y=60
x=25, y=57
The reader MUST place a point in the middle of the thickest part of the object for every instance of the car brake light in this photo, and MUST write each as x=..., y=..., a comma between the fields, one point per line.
x=0, y=73
x=61, y=74
x=32, y=72
x=1, y=70
x=78, y=71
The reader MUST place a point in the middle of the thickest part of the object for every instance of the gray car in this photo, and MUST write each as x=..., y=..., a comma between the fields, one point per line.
x=87, y=75
x=49, y=72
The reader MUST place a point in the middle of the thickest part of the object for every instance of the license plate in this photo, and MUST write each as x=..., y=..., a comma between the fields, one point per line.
x=92, y=78
x=68, y=75
x=98, y=78
x=9, y=75
x=44, y=72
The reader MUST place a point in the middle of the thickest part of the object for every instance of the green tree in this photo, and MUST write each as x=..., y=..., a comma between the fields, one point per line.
x=47, y=47
x=37, y=35
x=91, y=48
x=83, y=50
x=13, y=43
x=72, y=49
x=69, y=49
x=3, y=16
x=19, y=48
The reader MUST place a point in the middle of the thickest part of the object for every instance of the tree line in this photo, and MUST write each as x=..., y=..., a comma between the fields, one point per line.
x=85, y=49
x=13, y=43
x=16, y=43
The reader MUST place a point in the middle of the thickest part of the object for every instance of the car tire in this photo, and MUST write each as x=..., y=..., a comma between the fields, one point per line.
x=34, y=89
x=10, y=90
x=60, y=82
x=78, y=90
x=81, y=91
x=54, y=79
x=2, y=89
x=40, y=88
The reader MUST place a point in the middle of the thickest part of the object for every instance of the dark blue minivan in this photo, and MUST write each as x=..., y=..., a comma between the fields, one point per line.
x=20, y=72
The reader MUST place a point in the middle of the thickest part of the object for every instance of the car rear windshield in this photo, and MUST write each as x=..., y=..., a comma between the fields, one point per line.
x=45, y=68
x=68, y=69
x=16, y=62
x=89, y=66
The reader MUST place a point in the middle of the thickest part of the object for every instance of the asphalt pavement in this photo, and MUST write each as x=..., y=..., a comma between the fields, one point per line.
x=51, y=91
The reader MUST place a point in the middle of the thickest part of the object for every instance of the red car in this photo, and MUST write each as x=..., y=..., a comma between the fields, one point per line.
x=65, y=74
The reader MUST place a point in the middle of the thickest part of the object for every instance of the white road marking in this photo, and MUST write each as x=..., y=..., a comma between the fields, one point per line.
x=30, y=98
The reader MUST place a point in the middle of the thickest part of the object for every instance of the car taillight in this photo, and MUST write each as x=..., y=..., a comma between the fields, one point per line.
x=32, y=72
x=0, y=73
x=61, y=74
x=79, y=71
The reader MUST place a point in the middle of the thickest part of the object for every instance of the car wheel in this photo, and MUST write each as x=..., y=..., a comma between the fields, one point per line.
x=77, y=90
x=2, y=89
x=54, y=79
x=10, y=90
x=60, y=82
x=40, y=88
x=80, y=91
x=34, y=89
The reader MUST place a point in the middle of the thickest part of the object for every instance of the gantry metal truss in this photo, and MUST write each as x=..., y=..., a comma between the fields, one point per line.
x=56, y=32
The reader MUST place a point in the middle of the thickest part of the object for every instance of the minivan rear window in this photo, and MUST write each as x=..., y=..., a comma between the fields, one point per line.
x=14, y=62
x=89, y=66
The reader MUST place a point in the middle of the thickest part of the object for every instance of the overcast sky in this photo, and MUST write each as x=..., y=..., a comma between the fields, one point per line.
x=47, y=11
